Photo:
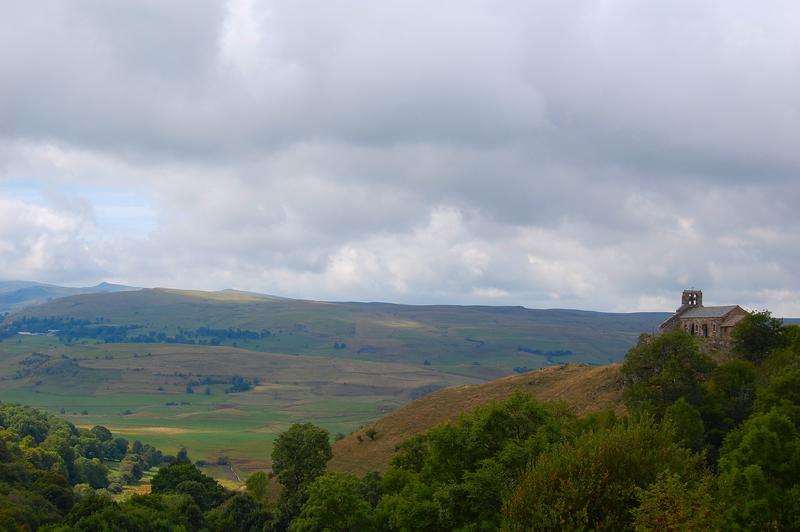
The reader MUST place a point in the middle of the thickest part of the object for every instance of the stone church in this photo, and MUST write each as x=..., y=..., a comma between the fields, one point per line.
x=708, y=322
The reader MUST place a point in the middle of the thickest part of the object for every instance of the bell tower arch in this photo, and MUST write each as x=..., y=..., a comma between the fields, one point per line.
x=692, y=298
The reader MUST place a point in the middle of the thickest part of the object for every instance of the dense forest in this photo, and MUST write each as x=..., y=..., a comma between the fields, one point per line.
x=711, y=441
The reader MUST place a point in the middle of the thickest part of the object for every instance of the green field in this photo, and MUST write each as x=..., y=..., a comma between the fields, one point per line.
x=127, y=388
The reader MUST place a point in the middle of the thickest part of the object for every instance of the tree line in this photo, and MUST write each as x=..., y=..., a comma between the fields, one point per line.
x=71, y=330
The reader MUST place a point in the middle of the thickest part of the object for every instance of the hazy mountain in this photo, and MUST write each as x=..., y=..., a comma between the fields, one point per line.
x=17, y=295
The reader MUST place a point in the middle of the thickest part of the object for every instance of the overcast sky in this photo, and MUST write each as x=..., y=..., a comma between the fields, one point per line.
x=583, y=154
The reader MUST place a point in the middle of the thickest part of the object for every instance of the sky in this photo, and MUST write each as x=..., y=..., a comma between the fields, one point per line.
x=599, y=154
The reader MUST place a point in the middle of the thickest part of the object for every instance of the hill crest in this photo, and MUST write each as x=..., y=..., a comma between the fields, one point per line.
x=582, y=388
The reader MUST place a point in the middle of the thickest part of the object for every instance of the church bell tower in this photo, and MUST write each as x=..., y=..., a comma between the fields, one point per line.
x=692, y=298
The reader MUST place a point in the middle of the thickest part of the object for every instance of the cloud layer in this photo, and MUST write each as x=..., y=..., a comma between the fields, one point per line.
x=596, y=155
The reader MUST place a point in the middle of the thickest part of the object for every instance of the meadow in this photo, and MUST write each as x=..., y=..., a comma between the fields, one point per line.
x=139, y=391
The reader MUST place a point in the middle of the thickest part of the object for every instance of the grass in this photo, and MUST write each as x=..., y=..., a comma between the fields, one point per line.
x=127, y=388
x=583, y=388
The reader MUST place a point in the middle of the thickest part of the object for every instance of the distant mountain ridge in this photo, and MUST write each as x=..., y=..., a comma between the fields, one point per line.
x=17, y=295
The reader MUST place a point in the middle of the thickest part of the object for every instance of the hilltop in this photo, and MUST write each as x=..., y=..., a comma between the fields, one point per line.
x=476, y=336
x=17, y=295
x=583, y=388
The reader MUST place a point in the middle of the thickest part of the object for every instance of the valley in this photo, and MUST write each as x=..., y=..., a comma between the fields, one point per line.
x=159, y=365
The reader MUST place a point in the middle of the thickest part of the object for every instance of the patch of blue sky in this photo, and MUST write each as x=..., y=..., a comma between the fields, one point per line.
x=114, y=209
x=21, y=190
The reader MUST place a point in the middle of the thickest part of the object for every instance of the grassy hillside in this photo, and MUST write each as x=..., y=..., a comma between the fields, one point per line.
x=583, y=388
x=507, y=337
x=17, y=295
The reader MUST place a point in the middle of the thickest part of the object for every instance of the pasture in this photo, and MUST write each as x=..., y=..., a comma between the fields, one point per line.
x=139, y=391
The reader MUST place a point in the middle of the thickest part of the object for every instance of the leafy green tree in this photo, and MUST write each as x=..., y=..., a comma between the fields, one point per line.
x=92, y=471
x=407, y=503
x=687, y=423
x=240, y=512
x=257, y=485
x=151, y=456
x=299, y=456
x=56, y=490
x=182, y=456
x=372, y=488
x=184, y=477
x=132, y=467
x=137, y=514
x=662, y=369
x=101, y=433
x=759, y=474
x=672, y=505
x=758, y=334
x=335, y=502
x=24, y=509
x=115, y=448
x=60, y=443
x=782, y=391
x=731, y=393
x=592, y=484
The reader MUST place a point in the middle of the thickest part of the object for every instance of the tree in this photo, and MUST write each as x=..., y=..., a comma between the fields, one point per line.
x=371, y=488
x=240, y=512
x=662, y=369
x=114, y=448
x=299, y=456
x=687, y=423
x=758, y=334
x=782, y=391
x=257, y=485
x=334, y=503
x=101, y=433
x=184, y=477
x=672, y=505
x=131, y=466
x=759, y=474
x=592, y=484
x=92, y=472
x=183, y=455
x=731, y=393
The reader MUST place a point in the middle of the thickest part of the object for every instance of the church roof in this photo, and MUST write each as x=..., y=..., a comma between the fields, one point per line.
x=708, y=312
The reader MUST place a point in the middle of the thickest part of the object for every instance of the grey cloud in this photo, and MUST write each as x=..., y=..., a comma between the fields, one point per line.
x=542, y=153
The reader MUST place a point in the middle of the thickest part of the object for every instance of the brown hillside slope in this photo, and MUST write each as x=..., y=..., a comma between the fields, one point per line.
x=583, y=388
